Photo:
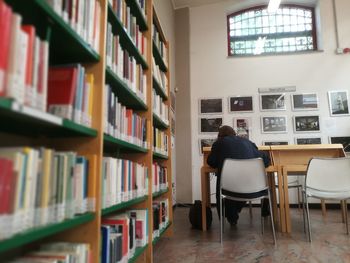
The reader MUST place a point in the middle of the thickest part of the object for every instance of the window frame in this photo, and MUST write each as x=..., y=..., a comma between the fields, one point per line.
x=314, y=29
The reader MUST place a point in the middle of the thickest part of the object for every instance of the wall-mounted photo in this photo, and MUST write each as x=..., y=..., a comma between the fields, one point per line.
x=273, y=102
x=338, y=103
x=307, y=123
x=344, y=140
x=210, y=124
x=206, y=142
x=242, y=126
x=210, y=106
x=241, y=104
x=310, y=140
x=271, y=143
x=274, y=124
x=304, y=101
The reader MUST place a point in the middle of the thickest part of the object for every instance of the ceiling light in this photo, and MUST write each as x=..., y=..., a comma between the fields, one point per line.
x=273, y=6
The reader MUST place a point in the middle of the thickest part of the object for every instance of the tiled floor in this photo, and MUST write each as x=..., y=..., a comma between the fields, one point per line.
x=245, y=243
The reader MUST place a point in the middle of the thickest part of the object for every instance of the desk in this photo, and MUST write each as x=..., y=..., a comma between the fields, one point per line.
x=205, y=184
x=285, y=159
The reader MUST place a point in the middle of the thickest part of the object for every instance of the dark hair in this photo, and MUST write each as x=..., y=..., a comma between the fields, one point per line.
x=226, y=131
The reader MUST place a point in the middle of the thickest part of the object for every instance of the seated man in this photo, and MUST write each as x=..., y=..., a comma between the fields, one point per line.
x=228, y=145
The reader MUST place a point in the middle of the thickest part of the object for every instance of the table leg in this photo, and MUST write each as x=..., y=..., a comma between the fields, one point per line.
x=281, y=199
x=286, y=200
x=204, y=189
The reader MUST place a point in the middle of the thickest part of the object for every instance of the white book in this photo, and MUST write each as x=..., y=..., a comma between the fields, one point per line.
x=34, y=101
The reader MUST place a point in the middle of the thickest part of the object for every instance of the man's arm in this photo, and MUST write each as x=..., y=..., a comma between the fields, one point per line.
x=213, y=156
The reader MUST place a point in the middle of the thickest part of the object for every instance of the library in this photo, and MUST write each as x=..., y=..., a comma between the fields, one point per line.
x=174, y=131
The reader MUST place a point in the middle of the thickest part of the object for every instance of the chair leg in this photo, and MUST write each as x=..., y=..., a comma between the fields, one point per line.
x=342, y=205
x=221, y=218
x=346, y=216
x=304, y=211
x=272, y=223
x=250, y=210
x=308, y=218
x=298, y=189
x=323, y=205
x=262, y=219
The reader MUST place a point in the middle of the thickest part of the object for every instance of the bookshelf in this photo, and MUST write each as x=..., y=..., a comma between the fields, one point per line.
x=35, y=128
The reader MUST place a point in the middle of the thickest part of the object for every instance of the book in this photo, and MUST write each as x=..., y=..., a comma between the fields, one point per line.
x=5, y=33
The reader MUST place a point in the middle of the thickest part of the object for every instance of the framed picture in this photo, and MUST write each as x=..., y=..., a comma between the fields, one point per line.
x=304, y=101
x=273, y=124
x=205, y=142
x=272, y=102
x=269, y=143
x=210, y=124
x=210, y=106
x=344, y=140
x=338, y=103
x=310, y=140
x=307, y=123
x=240, y=104
x=242, y=126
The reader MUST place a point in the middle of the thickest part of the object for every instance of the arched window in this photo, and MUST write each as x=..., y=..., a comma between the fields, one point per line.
x=254, y=31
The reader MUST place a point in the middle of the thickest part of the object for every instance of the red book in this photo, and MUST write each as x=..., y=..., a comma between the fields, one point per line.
x=128, y=114
x=5, y=33
x=124, y=222
x=6, y=182
x=2, y=184
x=61, y=90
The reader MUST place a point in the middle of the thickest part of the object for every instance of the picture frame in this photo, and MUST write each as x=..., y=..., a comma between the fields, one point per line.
x=273, y=124
x=211, y=106
x=242, y=126
x=307, y=123
x=205, y=142
x=338, y=102
x=271, y=143
x=240, y=104
x=304, y=101
x=344, y=140
x=308, y=140
x=210, y=124
x=273, y=102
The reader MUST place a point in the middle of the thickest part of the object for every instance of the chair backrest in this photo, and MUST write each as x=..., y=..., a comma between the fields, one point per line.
x=328, y=174
x=243, y=175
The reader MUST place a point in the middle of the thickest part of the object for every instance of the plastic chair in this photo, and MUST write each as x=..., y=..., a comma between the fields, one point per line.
x=244, y=180
x=327, y=179
x=293, y=184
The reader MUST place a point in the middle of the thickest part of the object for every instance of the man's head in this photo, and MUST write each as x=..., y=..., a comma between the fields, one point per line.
x=226, y=131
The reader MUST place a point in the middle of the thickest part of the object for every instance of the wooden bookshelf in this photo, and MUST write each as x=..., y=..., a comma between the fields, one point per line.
x=30, y=127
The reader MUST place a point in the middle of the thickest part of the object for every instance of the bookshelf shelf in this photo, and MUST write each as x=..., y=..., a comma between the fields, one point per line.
x=125, y=39
x=126, y=96
x=66, y=46
x=138, y=252
x=160, y=156
x=159, y=193
x=159, y=123
x=160, y=91
x=123, y=205
x=31, y=122
x=123, y=145
x=42, y=232
x=158, y=58
x=137, y=12
x=161, y=232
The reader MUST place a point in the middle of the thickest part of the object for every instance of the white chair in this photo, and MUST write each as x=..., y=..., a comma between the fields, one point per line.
x=244, y=180
x=327, y=179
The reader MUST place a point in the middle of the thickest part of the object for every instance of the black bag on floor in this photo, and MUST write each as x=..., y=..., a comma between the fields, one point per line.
x=195, y=215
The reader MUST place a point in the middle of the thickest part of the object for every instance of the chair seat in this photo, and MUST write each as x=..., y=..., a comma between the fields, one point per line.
x=327, y=195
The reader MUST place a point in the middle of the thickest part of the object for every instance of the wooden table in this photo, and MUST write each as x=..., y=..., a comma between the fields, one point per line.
x=285, y=160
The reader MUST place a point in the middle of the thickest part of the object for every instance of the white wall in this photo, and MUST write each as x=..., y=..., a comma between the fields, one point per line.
x=213, y=74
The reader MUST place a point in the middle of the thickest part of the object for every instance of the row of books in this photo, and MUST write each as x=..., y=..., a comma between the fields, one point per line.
x=41, y=186
x=160, y=77
x=160, y=108
x=122, y=234
x=160, y=216
x=23, y=61
x=163, y=50
x=160, y=177
x=83, y=16
x=123, y=123
x=124, y=65
x=58, y=252
x=117, y=6
x=122, y=180
x=123, y=12
x=160, y=141
x=70, y=93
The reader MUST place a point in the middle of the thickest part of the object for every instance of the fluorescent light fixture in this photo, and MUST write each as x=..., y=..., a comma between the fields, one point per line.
x=259, y=46
x=273, y=6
